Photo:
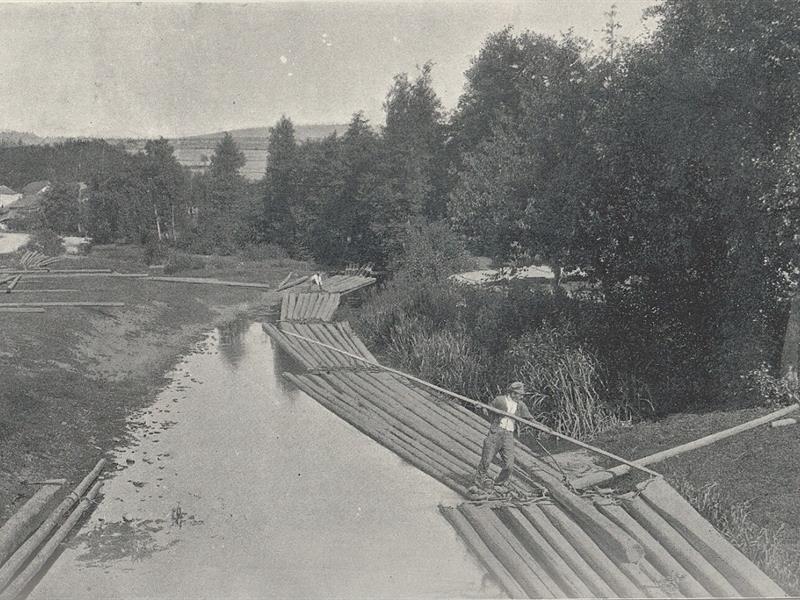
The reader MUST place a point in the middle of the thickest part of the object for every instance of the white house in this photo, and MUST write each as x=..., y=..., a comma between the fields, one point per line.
x=7, y=196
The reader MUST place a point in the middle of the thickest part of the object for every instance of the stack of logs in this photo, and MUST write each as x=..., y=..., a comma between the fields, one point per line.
x=309, y=307
x=30, y=538
x=540, y=550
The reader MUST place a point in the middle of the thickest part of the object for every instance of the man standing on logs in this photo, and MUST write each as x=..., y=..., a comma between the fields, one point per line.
x=500, y=440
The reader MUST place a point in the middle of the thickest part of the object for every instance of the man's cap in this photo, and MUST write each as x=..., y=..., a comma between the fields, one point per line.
x=516, y=386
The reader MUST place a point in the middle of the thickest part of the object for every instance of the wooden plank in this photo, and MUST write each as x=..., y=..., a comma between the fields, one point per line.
x=482, y=552
x=748, y=579
x=600, y=477
x=53, y=271
x=212, y=281
x=58, y=304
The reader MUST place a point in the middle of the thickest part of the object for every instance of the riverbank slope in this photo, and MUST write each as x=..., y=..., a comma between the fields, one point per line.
x=70, y=376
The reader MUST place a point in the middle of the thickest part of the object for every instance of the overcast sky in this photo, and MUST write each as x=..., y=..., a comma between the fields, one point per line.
x=180, y=69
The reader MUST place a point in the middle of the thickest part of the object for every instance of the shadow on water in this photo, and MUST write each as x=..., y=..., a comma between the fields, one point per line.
x=231, y=340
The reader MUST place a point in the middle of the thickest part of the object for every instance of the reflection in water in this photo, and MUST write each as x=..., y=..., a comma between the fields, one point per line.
x=231, y=338
x=234, y=488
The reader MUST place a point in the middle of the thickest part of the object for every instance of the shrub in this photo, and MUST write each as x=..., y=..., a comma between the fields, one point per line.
x=769, y=390
x=766, y=547
x=45, y=241
x=263, y=252
x=155, y=252
x=430, y=251
x=182, y=262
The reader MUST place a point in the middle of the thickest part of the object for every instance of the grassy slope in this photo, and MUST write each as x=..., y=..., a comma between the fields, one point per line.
x=70, y=376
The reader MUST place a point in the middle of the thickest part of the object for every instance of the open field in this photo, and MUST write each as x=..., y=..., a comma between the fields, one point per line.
x=70, y=376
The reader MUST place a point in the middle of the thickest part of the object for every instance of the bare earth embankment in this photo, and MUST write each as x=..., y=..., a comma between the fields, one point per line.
x=71, y=375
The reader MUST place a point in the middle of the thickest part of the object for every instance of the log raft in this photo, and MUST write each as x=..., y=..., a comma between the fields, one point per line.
x=562, y=545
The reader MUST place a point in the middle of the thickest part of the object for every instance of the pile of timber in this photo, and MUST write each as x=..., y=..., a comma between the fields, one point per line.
x=346, y=284
x=29, y=539
x=541, y=550
x=335, y=284
x=648, y=544
x=309, y=306
x=313, y=357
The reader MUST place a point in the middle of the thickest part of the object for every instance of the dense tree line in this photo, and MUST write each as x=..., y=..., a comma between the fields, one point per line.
x=666, y=170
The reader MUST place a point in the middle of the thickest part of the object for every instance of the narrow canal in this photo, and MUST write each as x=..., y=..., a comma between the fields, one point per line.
x=232, y=487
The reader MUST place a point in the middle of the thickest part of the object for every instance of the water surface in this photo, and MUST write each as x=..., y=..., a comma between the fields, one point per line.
x=232, y=487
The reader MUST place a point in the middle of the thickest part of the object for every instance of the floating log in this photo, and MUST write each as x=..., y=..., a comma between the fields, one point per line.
x=454, y=463
x=482, y=551
x=21, y=581
x=26, y=550
x=212, y=281
x=368, y=425
x=59, y=304
x=481, y=521
x=292, y=283
x=590, y=551
x=692, y=560
x=599, y=477
x=567, y=552
x=54, y=272
x=25, y=521
x=46, y=291
x=21, y=310
x=538, y=546
x=783, y=423
x=654, y=551
x=13, y=283
x=286, y=344
x=738, y=569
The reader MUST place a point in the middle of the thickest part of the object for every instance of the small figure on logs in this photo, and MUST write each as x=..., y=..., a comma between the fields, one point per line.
x=316, y=279
x=500, y=440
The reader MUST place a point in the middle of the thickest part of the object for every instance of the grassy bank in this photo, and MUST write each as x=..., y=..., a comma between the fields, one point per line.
x=746, y=485
x=72, y=375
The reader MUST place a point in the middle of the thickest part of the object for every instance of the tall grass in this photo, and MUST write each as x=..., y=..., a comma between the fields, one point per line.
x=476, y=341
x=766, y=547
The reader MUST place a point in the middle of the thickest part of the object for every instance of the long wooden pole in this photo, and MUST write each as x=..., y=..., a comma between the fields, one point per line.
x=26, y=550
x=599, y=477
x=21, y=581
x=492, y=409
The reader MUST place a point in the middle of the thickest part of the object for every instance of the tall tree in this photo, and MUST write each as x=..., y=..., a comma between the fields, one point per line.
x=280, y=184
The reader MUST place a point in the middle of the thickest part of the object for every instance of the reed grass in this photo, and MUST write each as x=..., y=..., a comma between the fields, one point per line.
x=765, y=546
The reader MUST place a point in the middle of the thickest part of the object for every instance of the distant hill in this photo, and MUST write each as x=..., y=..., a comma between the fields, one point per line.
x=302, y=132
x=25, y=138
x=195, y=151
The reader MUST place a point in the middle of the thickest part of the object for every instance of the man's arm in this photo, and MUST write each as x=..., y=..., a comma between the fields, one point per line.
x=522, y=411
